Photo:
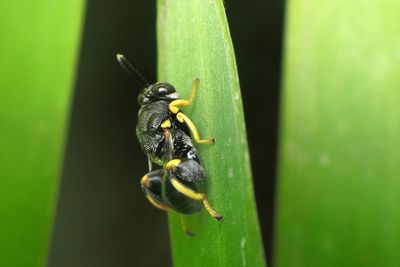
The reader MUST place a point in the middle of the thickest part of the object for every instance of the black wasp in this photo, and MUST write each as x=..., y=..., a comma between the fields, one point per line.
x=164, y=133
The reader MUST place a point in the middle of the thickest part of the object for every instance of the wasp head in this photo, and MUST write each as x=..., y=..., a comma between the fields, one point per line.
x=157, y=92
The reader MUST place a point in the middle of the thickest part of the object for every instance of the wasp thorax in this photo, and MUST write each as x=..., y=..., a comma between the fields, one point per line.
x=157, y=92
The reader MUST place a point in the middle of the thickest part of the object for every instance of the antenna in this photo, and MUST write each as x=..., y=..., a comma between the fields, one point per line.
x=127, y=66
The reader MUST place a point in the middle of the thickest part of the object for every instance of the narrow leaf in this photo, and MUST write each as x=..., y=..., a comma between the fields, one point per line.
x=194, y=41
x=38, y=48
x=339, y=188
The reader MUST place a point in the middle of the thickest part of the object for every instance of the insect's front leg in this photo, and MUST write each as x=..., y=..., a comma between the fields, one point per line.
x=174, y=105
x=174, y=108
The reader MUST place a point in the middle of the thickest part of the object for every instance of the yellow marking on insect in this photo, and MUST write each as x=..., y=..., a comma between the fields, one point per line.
x=166, y=124
x=145, y=181
x=185, y=119
x=156, y=204
x=172, y=164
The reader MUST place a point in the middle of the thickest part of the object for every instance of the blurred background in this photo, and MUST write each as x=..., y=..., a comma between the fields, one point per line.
x=102, y=217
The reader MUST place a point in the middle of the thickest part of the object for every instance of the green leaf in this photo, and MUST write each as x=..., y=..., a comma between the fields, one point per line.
x=339, y=187
x=38, y=49
x=194, y=41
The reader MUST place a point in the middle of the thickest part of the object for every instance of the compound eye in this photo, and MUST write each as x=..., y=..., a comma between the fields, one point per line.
x=162, y=91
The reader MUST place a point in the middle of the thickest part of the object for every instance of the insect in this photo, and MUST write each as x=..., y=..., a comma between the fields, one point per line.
x=165, y=135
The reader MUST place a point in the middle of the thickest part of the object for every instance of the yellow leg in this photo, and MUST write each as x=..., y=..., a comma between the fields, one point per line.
x=195, y=196
x=174, y=108
x=174, y=105
x=145, y=183
x=185, y=119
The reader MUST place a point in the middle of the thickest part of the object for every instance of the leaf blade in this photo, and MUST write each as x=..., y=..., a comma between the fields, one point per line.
x=194, y=41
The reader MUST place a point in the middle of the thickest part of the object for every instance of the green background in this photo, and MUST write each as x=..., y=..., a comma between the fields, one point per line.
x=38, y=52
x=340, y=147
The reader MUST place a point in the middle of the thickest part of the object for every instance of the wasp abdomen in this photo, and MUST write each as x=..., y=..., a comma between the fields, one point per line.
x=190, y=171
x=178, y=201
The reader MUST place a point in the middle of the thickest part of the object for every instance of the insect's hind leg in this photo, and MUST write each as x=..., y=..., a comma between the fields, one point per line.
x=195, y=196
x=151, y=186
x=188, y=192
